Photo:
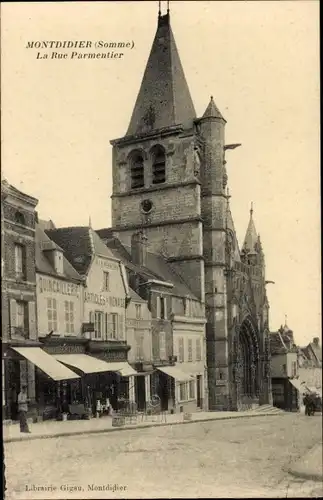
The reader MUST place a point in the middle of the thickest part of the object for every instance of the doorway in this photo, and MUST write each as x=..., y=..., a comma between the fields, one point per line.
x=140, y=391
x=198, y=391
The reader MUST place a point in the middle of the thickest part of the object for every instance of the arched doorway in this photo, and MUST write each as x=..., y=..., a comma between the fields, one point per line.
x=247, y=363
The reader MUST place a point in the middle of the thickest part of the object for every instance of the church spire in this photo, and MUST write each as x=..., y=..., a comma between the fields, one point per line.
x=251, y=238
x=164, y=98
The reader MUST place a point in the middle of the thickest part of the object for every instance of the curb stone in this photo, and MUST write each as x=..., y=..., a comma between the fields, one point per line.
x=129, y=427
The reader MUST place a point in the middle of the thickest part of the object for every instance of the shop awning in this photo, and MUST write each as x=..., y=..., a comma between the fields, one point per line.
x=301, y=387
x=89, y=364
x=175, y=373
x=84, y=363
x=125, y=369
x=47, y=363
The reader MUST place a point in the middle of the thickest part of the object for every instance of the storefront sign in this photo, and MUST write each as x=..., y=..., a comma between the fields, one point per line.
x=64, y=349
x=101, y=300
x=55, y=286
x=108, y=265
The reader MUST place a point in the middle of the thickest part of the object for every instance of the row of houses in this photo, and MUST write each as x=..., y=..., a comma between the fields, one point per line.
x=85, y=318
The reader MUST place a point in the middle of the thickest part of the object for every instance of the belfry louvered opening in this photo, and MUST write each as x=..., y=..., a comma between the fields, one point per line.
x=137, y=171
x=159, y=165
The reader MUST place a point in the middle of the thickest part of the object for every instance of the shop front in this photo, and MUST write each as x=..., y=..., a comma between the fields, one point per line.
x=25, y=363
x=166, y=385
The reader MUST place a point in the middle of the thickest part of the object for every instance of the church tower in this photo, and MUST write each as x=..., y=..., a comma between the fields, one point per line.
x=170, y=182
x=156, y=178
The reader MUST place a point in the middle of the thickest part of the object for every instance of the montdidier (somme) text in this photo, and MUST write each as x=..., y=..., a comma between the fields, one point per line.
x=55, y=47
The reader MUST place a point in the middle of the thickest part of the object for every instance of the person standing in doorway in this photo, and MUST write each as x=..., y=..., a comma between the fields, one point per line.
x=23, y=408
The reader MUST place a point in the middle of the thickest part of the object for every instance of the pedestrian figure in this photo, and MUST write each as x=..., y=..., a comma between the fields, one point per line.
x=23, y=408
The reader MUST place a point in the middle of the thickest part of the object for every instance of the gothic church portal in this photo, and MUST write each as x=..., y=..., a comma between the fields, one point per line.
x=170, y=180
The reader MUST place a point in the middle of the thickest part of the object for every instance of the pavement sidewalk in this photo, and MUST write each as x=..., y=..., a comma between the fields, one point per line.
x=310, y=465
x=53, y=429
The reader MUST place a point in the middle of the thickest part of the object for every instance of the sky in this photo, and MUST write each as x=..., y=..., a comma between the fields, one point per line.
x=260, y=61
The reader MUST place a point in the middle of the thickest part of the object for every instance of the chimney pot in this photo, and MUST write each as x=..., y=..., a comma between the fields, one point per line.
x=316, y=341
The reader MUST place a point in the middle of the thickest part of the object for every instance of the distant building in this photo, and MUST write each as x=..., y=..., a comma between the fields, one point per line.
x=284, y=369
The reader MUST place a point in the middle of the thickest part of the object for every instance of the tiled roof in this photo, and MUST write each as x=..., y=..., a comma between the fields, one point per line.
x=135, y=297
x=80, y=244
x=157, y=268
x=46, y=224
x=43, y=264
x=276, y=343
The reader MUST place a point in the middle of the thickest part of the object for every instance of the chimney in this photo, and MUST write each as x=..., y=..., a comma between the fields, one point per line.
x=316, y=341
x=139, y=249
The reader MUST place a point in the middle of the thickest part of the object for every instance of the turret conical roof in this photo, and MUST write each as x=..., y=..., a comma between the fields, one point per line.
x=212, y=110
x=164, y=98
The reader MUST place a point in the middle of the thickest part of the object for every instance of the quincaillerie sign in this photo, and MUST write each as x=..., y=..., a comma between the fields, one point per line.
x=95, y=298
x=56, y=286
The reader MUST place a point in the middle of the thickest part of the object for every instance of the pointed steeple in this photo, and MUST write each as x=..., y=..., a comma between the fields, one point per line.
x=251, y=238
x=164, y=98
x=212, y=111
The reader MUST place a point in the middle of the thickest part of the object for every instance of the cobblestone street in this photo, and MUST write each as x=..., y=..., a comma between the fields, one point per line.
x=232, y=458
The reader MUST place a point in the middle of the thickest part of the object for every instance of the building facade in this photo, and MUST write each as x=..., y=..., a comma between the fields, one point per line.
x=106, y=297
x=18, y=286
x=170, y=181
x=139, y=338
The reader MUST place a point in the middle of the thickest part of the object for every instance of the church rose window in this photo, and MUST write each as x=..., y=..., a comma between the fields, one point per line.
x=137, y=171
x=159, y=165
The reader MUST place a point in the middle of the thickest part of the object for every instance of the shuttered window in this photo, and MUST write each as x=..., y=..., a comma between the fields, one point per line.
x=198, y=350
x=52, y=314
x=181, y=350
x=162, y=345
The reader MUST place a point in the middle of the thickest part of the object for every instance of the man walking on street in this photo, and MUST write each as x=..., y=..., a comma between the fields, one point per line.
x=23, y=408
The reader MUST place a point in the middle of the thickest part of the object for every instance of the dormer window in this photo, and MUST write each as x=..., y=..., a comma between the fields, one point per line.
x=137, y=171
x=158, y=165
x=58, y=262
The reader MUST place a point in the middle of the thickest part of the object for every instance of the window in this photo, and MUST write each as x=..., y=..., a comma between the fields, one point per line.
x=20, y=218
x=20, y=261
x=284, y=370
x=114, y=323
x=22, y=316
x=191, y=389
x=183, y=391
x=162, y=345
x=181, y=350
x=140, y=347
x=138, y=311
x=190, y=350
x=106, y=282
x=162, y=308
x=159, y=165
x=137, y=171
x=59, y=262
x=52, y=315
x=294, y=369
x=198, y=350
x=69, y=316
x=98, y=324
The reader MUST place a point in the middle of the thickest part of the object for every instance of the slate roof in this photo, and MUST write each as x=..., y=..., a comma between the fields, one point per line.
x=135, y=297
x=46, y=224
x=43, y=264
x=157, y=268
x=164, y=98
x=79, y=245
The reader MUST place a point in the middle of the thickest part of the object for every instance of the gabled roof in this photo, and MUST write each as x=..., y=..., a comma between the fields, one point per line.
x=135, y=297
x=157, y=268
x=46, y=224
x=277, y=345
x=43, y=264
x=80, y=244
x=164, y=98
